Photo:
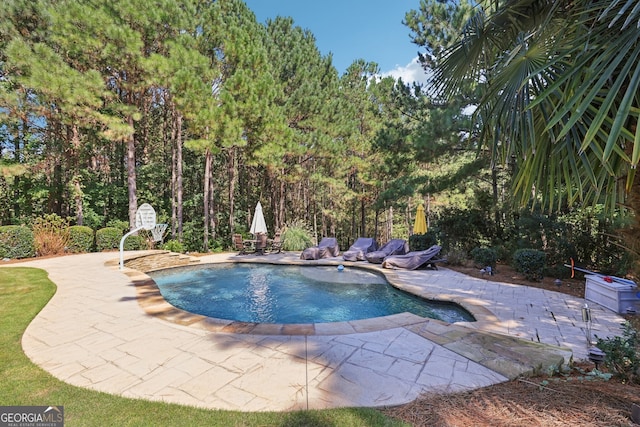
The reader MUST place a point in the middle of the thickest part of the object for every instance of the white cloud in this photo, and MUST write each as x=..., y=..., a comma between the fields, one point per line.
x=412, y=72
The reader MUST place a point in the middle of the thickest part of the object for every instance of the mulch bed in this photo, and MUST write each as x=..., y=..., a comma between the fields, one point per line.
x=576, y=398
x=561, y=401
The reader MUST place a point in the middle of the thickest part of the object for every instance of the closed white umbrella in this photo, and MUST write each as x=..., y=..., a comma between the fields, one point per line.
x=258, y=225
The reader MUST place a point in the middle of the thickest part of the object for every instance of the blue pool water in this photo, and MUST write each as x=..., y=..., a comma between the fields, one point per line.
x=264, y=293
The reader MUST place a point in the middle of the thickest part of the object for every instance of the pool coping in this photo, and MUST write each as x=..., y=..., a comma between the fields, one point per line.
x=150, y=299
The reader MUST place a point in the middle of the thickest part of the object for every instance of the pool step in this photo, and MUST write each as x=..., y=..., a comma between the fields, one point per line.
x=158, y=261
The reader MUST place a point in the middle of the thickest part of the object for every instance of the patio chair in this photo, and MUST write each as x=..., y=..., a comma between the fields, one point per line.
x=392, y=247
x=261, y=243
x=327, y=248
x=413, y=260
x=361, y=247
x=240, y=244
x=276, y=244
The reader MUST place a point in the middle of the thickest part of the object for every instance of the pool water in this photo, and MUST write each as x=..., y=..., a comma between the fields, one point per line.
x=266, y=293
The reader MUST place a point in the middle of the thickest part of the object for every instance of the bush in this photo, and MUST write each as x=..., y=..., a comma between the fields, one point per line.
x=217, y=245
x=458, y=257
x=173, y=246
x=484, y=257
x=16, y=241
x=135, y=243
x=108, y=238
x=296, y=237
x=192, y=236
x=529, y=262
x=123, y=226
x=421, y=242
x=463, y=229
x=50, y=234
x=81, y=239
x=622, y=354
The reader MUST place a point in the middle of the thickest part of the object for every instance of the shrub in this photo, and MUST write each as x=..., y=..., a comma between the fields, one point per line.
x=192, y=236
x=622, y=354
x=462, y=229
x=81, y=239
x=173, y=246
x=16, y=241
x=217, y=245
x=50, y=234
x=108, y=238
x=296, y=237
x=421, y=242
x=135, y=243
x=91, y=219
x=123, y=226
x=484, y=257
x=529, y=262
x=458, y=257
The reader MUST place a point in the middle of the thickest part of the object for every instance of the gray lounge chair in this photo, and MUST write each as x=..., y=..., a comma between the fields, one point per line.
x=413, y=260
x=392, y=247
x=327, y=248
x=361, y=247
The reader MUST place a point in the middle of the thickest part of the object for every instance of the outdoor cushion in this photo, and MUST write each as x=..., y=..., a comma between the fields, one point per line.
x=361, y=247
x=392, y=247
x=412, y=260
x=327, y=248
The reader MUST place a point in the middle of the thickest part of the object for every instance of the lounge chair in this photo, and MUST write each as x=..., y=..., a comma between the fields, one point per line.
x=392, y=247
x=361, y=247
x=413, y=260
x=327, y=248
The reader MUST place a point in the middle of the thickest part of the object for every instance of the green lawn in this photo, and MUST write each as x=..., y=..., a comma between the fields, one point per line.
x=23, y=293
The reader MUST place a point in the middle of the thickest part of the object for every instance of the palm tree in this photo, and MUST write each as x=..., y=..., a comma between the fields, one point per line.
x=560, y=96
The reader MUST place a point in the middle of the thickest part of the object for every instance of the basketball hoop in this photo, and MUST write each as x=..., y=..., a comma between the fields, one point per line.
x=145, y=217
x=158, y=232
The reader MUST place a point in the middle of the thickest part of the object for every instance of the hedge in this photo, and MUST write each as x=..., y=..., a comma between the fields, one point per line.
x=135, y=243
x=81, y=239
x=529, y=262
x=16, y=241
x=108, y=238
x=484, y=257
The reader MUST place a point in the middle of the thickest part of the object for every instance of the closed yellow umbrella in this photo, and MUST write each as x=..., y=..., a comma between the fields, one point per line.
x=420, y=226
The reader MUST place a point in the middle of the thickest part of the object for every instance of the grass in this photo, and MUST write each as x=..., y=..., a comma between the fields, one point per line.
x=25, y=291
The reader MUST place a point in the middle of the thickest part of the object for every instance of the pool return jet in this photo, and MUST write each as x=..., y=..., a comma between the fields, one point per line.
x=145, y=219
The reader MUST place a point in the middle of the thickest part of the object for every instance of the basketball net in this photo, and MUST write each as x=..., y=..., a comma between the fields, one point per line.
x=158, y=232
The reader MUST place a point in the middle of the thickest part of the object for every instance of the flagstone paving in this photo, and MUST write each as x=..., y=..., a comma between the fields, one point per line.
x=110, y=330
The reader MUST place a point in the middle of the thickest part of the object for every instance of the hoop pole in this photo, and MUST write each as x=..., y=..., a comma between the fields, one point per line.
x=122, y=245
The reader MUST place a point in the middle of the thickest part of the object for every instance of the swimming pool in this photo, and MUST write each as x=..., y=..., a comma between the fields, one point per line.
x=290, y=294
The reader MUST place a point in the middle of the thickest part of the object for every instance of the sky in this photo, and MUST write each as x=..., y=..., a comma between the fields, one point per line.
x=354, y=29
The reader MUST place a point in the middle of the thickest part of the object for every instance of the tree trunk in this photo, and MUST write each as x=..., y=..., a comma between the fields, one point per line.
x=206, y=192
x=376, y=226
x=77, y=185
x=17, y=154
x=363, y=219
x=174, y=177
x=496, y=209
x=212, y=205
x=231, y=170
x=131, y=176
x=389, y=223
x=281, y=205
x=77, y=192
x=179, y=189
